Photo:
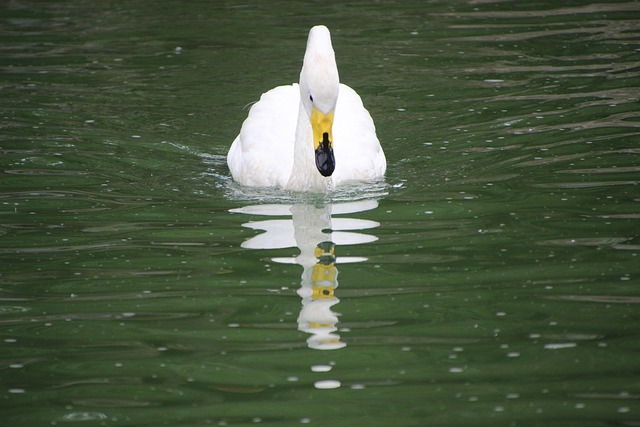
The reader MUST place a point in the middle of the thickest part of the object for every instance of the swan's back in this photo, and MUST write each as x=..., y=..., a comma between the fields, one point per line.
x=358, y=153
x=262, y=154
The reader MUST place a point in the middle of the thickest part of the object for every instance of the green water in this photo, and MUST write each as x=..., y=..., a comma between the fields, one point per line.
x=493, y=279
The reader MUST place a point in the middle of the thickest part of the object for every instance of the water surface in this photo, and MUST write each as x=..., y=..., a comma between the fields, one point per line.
x=491, y=279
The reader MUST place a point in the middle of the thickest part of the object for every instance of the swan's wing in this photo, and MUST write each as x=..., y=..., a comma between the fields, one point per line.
x=262, y=154
x=356, y=147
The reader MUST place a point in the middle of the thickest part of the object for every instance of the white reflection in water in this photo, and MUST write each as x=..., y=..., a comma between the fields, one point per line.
x=314, y=231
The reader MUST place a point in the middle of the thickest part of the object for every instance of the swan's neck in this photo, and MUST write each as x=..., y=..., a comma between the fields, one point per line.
x=304, y=174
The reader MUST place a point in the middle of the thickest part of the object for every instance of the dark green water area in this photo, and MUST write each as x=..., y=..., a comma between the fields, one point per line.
x=493, y=278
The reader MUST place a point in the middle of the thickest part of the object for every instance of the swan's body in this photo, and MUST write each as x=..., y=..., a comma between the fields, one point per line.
x=308, y=136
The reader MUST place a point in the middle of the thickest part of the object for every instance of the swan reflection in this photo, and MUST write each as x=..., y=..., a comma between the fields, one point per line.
x=317, y=234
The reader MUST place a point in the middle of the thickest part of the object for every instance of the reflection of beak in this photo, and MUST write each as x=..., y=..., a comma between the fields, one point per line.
x=323, y=141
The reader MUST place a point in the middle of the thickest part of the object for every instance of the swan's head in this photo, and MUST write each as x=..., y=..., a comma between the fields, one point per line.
x=319, y=84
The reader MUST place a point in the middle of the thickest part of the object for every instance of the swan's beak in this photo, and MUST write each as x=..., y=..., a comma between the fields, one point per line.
x=323, y=141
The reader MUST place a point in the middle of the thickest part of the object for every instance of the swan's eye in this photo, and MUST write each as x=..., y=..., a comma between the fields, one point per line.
x=311, y=98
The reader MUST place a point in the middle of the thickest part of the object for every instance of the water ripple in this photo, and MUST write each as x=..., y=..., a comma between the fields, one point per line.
x=587, y=241
x=607, y=299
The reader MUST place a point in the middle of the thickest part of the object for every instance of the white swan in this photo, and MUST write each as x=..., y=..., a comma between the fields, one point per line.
x=308, y=136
